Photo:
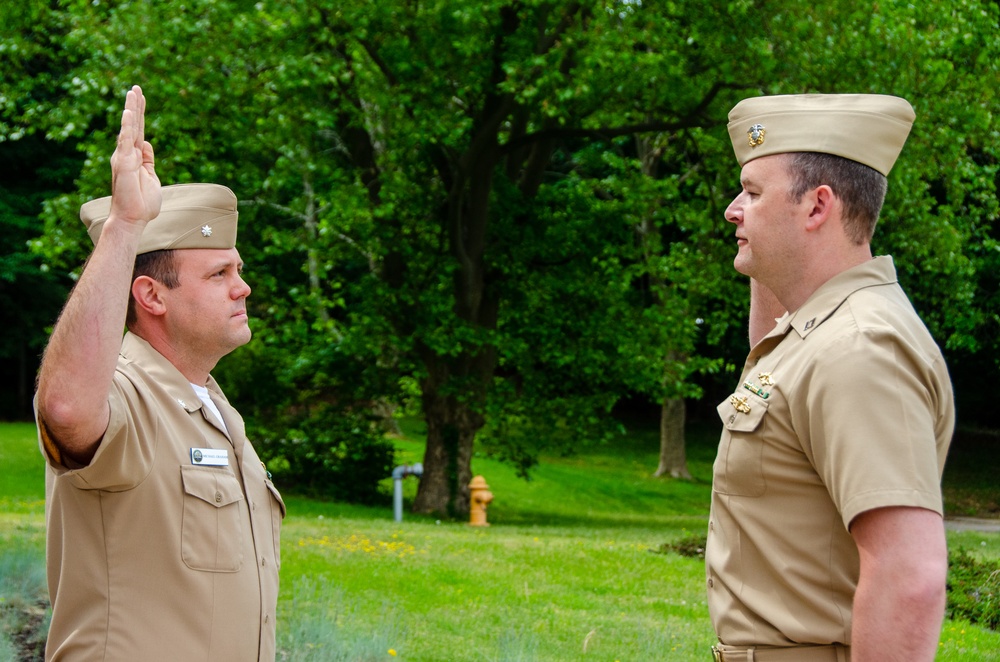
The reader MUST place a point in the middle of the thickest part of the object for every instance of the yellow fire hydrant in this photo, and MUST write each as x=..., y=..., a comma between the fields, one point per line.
x=479, y=498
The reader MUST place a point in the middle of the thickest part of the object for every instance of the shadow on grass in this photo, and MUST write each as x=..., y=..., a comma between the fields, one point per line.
x=598, y=521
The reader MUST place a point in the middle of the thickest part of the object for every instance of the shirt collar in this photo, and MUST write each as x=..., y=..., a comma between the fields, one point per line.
x=163, y=372
x=833, y=293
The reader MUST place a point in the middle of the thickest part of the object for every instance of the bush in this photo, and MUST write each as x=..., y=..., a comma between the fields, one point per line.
x=973, y=589
x=331, y=453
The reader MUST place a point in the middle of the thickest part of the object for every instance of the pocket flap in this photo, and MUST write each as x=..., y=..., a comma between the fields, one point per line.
x=218, y=487
x=742, y=412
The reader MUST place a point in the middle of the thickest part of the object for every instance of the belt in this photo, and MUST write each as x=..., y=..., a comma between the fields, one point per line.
x=831, y=653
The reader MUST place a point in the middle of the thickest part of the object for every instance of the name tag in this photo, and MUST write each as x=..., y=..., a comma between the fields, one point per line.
x=210, y=457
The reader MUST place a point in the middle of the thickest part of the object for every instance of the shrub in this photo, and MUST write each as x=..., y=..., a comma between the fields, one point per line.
x=973, y=589
x=329, y=452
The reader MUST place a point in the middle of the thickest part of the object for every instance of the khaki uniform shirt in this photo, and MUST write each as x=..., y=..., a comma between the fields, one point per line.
x=846, y=406
x=151, y=555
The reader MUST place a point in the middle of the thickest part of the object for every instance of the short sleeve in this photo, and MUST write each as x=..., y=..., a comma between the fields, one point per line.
x=125, y=455
x=871, y=425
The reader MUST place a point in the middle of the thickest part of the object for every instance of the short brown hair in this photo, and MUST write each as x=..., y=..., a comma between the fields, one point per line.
x=158, y=265
x=860, y=188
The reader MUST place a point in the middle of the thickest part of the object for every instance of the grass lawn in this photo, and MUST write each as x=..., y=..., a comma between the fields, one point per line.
x=568, y=569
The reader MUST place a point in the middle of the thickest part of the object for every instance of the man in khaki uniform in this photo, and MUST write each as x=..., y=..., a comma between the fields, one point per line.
x=163, y=526
x=826, y=539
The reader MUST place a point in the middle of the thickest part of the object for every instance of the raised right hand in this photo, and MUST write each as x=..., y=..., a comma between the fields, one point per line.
x=135, y=188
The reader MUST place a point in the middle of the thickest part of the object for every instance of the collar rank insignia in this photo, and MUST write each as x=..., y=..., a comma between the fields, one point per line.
x=756, y=135
x=206, y=231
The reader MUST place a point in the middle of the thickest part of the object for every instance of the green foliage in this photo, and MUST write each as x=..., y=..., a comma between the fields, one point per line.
x=313, y=442
x=974, y=589
x=31, y=294
x=516, y=206
x=331, y=452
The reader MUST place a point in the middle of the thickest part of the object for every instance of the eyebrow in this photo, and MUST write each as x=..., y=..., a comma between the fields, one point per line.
x=226, y=264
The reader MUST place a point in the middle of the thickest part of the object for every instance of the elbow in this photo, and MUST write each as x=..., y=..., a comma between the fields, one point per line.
x=58, y=411
x=932, y=589
x=923, y=585
x=71, y=425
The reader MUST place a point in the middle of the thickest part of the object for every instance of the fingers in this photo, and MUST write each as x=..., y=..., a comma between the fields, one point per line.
x=135, y=187
x=142, y=114
x=135, y=107
x=148, y=161
x=131, y=136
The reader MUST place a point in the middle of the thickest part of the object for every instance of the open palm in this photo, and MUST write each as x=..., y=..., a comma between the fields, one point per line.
x=135, y=188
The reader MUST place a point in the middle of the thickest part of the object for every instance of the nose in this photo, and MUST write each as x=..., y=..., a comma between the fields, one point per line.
x=241, y=289
x=734, y=212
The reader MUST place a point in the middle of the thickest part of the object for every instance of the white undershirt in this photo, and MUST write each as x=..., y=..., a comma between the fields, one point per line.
x=203, y=395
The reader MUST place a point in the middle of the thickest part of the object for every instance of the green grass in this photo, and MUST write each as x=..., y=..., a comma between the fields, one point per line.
x=566, y=571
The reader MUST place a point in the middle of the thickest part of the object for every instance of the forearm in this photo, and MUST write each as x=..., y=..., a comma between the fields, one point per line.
x=900, y=600
x=79, y=362
x=893, y=622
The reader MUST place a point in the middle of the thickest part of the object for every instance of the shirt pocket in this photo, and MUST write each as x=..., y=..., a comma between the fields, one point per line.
x=212, y=524
x=739, y=469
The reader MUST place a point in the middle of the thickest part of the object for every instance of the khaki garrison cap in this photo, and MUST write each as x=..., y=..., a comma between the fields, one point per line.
x=191, y=216
x=867, y=128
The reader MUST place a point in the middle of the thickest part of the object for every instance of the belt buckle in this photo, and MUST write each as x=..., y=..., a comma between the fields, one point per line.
x=716, y=654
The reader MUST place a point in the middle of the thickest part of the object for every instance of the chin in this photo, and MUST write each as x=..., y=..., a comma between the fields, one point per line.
x=742, y=267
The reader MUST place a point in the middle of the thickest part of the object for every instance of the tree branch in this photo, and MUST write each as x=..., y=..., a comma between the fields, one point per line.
x=696, y=118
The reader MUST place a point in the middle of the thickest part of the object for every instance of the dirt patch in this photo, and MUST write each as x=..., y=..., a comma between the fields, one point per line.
x=29, y=636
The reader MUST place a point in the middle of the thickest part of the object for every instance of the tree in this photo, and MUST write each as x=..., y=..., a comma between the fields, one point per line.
x=515, y=207
x=32, y=169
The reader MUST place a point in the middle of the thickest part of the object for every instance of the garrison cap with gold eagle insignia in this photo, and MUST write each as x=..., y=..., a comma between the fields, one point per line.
x=867, y=128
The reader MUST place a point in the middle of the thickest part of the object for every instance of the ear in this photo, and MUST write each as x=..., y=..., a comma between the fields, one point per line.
x=823, y=201
x=146, y=293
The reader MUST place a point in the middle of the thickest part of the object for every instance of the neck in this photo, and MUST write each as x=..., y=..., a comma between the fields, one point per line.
x=818, y=271
x=195, y=367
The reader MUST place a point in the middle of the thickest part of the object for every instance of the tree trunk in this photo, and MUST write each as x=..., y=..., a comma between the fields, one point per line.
x=452, y=424
x=673, y=458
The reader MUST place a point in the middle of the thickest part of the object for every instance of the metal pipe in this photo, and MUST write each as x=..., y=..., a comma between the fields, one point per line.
x=398, y=474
